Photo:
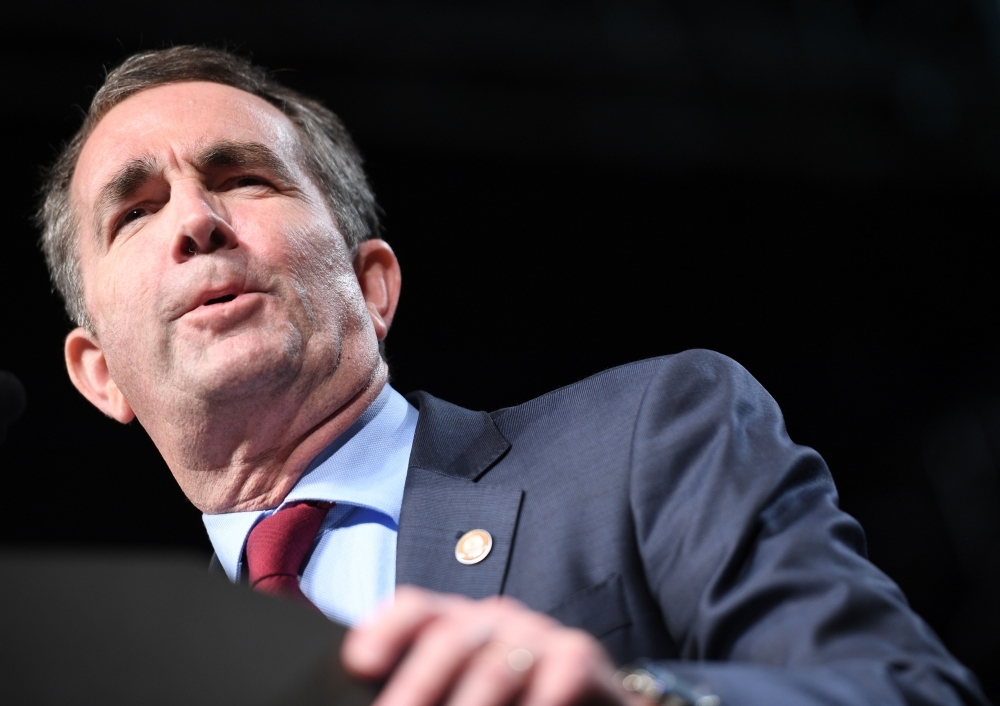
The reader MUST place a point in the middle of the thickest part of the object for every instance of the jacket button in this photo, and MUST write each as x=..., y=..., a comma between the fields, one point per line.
x=473, y=547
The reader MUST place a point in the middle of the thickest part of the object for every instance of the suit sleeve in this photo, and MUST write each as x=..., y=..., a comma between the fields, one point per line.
x=762, y=580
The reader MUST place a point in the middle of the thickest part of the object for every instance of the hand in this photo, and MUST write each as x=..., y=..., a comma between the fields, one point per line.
x=452, y=650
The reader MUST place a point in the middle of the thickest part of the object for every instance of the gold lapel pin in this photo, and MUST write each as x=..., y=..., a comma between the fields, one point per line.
x=473, y=547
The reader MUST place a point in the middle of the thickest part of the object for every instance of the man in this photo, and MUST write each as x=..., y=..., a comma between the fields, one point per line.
x=215, y=239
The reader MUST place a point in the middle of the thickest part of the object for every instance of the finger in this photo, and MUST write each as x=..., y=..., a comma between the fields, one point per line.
x=372, y=649
x=494, y=677
x=574, y=669
x=439, y=653
x=497, y=674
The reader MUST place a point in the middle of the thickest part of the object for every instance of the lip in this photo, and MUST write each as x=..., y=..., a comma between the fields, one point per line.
x=219, y=300
x=225, y=315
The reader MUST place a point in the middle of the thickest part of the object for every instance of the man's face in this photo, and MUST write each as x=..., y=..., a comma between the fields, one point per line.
x=212, y=267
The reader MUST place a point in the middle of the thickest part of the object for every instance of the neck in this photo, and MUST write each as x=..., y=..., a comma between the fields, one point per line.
x=254, y=466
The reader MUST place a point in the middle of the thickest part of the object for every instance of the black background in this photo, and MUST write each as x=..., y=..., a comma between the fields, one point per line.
x=808, y=187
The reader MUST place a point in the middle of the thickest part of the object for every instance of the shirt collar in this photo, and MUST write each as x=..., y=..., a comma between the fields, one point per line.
x=364, y=466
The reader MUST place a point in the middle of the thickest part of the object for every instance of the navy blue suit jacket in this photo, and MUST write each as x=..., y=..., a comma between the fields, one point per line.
x=662, y=507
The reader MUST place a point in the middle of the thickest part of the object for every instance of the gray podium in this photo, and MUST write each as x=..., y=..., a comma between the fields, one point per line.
x=117, y=628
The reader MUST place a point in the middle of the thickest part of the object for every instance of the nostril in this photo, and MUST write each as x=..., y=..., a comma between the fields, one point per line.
x=217, y=239
x=190, y=247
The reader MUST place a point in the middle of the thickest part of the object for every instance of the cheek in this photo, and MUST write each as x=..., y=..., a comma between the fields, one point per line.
x=122, y=300
x=122, y=294
x=317, y=262
x=324, y=278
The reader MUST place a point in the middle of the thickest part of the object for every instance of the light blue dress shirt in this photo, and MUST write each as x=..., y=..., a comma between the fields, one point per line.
x=352, y=568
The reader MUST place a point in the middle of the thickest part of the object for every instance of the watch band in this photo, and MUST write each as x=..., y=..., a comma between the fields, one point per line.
x=659, y=685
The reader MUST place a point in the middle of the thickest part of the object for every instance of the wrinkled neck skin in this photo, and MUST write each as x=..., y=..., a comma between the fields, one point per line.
x=247, y=454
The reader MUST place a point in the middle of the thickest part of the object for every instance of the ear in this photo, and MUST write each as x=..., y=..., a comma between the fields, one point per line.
x=380, y=278
x=89, y=372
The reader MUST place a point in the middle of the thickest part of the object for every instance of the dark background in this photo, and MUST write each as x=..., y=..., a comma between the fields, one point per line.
x=807, y=186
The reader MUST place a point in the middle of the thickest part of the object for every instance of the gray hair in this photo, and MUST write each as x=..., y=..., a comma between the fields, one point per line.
x=330, y=155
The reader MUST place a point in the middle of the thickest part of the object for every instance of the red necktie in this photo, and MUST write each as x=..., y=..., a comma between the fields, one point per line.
x=277, y=546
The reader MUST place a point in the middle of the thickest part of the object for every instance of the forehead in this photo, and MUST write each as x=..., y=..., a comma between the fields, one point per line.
x=172, y=123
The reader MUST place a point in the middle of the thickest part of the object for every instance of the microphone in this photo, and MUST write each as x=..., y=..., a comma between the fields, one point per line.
x=12, y=400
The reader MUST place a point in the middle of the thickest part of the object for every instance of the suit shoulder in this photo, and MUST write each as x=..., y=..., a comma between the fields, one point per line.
x=623, y=387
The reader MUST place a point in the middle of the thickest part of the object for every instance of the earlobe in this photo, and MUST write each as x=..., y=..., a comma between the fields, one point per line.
x=88, y=370
x=380, y=278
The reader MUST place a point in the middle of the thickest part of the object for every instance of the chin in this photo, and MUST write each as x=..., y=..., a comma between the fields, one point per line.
x=236, y=369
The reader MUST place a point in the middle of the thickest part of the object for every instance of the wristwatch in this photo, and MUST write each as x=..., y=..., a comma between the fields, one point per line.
x=661, y=686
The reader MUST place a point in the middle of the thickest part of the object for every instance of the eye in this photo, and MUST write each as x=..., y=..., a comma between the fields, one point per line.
x=122, y=223
x=134, y=214
x=249, y=181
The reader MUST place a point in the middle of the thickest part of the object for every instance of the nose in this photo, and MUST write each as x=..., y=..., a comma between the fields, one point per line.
x=201, y=225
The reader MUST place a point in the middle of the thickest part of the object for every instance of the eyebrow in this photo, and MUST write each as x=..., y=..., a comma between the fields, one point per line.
x=135, y=173
x=123, y=186
x=243, y=155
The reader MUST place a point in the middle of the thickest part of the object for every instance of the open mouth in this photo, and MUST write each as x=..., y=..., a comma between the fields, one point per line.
x=220, y=300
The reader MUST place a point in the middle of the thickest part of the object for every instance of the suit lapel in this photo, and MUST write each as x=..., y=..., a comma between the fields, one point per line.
x=452, y=449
